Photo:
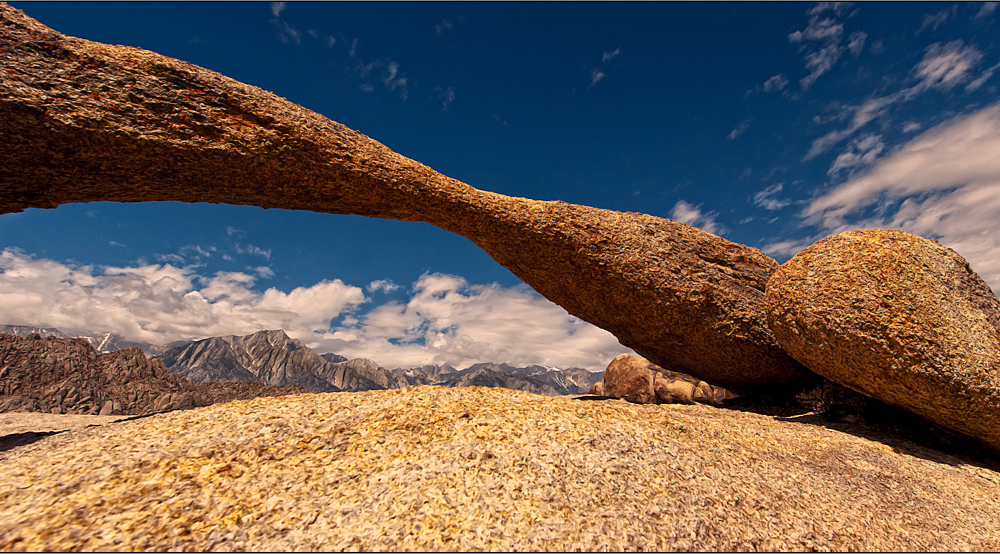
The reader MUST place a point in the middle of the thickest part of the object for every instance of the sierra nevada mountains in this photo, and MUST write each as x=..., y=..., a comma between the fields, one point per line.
x=273, y=358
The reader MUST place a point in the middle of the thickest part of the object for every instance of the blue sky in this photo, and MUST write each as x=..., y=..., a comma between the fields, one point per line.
x=772, y=125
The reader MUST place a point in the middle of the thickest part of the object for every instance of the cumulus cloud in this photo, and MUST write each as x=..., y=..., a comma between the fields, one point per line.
x=448, y=320
x=608, y=56
x=685, y=212
x=384, y=285
x=943, y=184
x=161, y=303
x=277, y=8
x=444, y=320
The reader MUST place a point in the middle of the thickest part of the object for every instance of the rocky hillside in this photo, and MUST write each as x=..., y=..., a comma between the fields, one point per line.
x=66, y=375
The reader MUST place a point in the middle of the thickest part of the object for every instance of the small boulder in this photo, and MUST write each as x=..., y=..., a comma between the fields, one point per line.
x=897, y=317
x=673, y=391
x=107, y=408
x=630, y=377
x=640, y=381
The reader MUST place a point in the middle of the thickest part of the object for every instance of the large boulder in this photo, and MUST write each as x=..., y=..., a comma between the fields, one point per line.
x=898, y=317
x=83, y=121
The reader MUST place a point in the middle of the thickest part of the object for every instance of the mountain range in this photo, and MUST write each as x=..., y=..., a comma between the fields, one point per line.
x=273, y=358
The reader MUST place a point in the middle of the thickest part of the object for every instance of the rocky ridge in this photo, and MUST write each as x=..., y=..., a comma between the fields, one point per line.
x=67, y=376
x=273, y=358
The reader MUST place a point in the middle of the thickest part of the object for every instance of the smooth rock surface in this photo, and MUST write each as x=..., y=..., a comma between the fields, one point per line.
x=84, y=121
x=898, y=317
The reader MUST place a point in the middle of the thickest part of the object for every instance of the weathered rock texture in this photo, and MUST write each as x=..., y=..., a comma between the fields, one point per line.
x=66, y=376
x=83, y=121
x=639, y=381
x=479, y=469
x=898, y=317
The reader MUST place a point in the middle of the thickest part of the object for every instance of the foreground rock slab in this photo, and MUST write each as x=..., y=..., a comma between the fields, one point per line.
x=84, y=121
x=898, y=317
x=428, y=468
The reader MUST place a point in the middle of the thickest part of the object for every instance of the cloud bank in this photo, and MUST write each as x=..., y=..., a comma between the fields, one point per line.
x=444, y=320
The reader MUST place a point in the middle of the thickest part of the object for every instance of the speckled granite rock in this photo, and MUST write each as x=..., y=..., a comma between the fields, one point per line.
x=898, y=317
x=640, y=381
x=479, y=469
x=84, y=121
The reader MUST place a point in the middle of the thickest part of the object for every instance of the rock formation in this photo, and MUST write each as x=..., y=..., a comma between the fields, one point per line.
x=85, y=121
x=66, y=376
x=897, y=317
x=642, y=382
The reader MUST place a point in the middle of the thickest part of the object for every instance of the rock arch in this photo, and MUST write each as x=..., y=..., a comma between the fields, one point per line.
x=82, y=121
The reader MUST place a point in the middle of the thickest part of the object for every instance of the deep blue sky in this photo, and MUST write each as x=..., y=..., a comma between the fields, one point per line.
x=742, y=119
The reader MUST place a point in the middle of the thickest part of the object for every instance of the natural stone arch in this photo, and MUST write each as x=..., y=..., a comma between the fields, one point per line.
x=82, y=121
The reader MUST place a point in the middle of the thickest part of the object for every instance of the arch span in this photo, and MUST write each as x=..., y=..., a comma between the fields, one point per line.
x=82, y=121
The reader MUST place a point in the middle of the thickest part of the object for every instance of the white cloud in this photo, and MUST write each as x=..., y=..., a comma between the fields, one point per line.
x=685, y=212
x=447, y=320
x=253, y=250
x=946, y=65
x=776, y=82
x=382, y=285
x=943, y=67
x=857, y=43
x=911, y=126
x=987, y=10
x=981, y=80
x=608, y=56
x=287, y=33
x=262, y=271
x=860, y=116
x=828, y=33
x=596, y=75
x=277, y=8
x=739, y=129
x=159, y=304
x=943, y=184
x=935, y=20
x=861, y=153
x=393, y=80
x=766, y=198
